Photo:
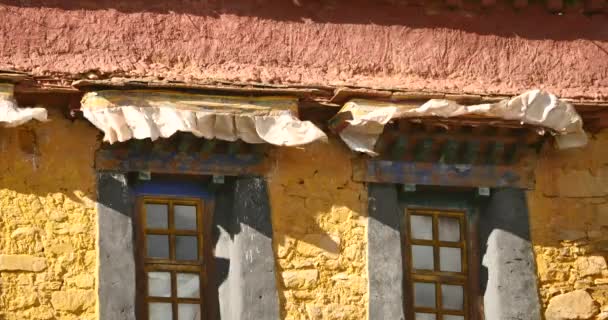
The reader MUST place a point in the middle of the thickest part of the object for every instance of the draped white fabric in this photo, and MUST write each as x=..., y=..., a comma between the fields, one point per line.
x=10, y=114
x=362, y=121
x=138, y=114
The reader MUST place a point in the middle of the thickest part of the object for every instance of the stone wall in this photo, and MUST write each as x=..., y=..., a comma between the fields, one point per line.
x=319, y=221
x=47, y=228
x=48, y=221
x=569, y=222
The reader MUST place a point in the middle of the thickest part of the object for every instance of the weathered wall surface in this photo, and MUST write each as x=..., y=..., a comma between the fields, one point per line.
x=361, y=43
x=48, y=223
x=569, y=222
x=319, y=221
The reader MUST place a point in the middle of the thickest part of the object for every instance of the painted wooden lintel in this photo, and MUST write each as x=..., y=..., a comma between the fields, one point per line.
x=181, y=163
x=440, y=174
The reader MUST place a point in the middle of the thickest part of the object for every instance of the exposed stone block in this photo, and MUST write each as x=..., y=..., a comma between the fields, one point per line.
x=575, y=305
x=72, y=300
x=300, y=279
x=314, y=312
x=61, y=248
x=21, y=262
x=84, y=281
x=314, y=245
x=589, y=266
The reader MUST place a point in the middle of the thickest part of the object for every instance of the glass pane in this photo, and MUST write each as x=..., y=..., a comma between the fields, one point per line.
x=452, y=297
x=186, y=248
x=159, y=284
x=422, y=257
x=158, y=245
x=452, y=317
x=449, y=259
x=160, y=311
x=449, y=229
x=188, y=311
x=421, y=227
x=187, y=285
x=185, y=217
x=156, y=216
x=425, y=316
x=424, y=294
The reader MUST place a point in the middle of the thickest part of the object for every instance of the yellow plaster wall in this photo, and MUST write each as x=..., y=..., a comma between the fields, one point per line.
x=319, y=218
x=48, y=223
x=48, y=231
x=569, y=225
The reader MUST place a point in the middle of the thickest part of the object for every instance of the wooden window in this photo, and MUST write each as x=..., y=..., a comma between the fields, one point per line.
x=436, y=251
x=172, y=273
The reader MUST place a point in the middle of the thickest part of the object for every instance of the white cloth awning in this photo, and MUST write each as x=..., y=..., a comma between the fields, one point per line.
x=361, y=122
x=10, y=114
x=141, y=114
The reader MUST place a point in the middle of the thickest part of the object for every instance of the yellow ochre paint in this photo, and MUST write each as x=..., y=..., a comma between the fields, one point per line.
x=48, y=222
x=319, y=217
x=48, y=255
x=569, y=228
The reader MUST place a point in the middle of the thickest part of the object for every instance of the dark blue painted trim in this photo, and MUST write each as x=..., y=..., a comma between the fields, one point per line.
x=441, y=174
x=166, y=188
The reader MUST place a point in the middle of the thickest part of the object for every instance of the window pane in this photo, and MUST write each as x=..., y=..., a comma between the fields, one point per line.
x=185, y=217
x=422, y=257
x=188, y=311
x=156, y=216
x=425, y=316
x=159, y=284
x=160, y=311
x=187, y=285
x=421, y=227
x=158, y=246
x=452, y=317
x=449, y=229
x=424, y=294
x=452, y=297
x=449, y=259
x=186, y=248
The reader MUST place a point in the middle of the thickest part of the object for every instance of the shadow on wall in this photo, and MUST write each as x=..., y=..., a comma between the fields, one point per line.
x=498, y=20
x=512, y=209
x=319, y=218
x=569, y=223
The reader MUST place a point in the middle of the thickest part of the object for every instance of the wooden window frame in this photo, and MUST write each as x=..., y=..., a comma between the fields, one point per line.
x=468, y=278
x=202, y=266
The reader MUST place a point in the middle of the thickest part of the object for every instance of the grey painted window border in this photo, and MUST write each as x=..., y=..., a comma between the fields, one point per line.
x=508, y=272
x=243, y=250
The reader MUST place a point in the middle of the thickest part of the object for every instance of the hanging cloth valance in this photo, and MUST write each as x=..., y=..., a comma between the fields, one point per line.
x=360, y=122
x=141, y=114
x=10, y=114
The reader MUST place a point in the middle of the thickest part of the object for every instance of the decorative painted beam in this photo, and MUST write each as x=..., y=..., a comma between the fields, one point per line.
x=158, y=161
x=438, y=174
x=449, y=151
x=495, y=153
x=399, y=148
x=208, y=147
x=423, y=149
x=471, y=151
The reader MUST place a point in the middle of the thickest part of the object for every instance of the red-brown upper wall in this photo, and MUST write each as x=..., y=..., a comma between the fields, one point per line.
x=359, y=43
